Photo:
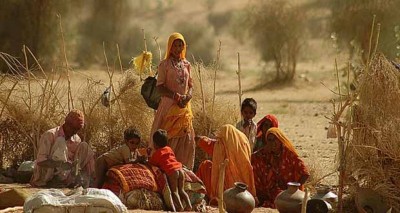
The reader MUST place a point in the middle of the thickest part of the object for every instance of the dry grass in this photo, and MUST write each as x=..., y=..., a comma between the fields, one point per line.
x=30, y=105
x=374, y=151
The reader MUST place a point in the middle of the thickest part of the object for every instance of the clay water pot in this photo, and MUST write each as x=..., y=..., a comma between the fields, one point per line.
x=237, y=199
x=290, y=200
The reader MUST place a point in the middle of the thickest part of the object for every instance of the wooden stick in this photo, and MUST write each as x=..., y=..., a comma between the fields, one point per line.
x=29, y=78
x=110, y=75
x=119, y=59
x=215, y=80
x=221, y=182
x=370, y=40
x=70, y=99
x=158, y=46
x=118, y=102
x=240, y=93
x=305, y=199
x=203, y=100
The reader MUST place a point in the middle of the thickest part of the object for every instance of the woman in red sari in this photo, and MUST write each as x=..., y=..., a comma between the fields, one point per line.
x=276, y=164
x=263, y=126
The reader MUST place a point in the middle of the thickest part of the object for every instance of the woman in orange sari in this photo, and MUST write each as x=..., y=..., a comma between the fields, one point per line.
x=233, y=145
x=276, y=164
x=174, y=113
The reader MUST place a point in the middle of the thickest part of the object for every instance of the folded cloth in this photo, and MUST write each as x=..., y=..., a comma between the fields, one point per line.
x=88, y=200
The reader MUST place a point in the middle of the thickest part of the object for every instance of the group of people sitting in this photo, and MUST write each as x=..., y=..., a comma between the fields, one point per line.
x=259, y=154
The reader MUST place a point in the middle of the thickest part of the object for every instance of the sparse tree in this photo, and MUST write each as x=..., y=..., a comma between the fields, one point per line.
x=277, y=28
x=352, y=21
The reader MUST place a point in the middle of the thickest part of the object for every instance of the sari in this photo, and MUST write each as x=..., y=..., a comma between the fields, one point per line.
x=259, y=143
x=272, y=172
x=169, y=116
x=233, y=145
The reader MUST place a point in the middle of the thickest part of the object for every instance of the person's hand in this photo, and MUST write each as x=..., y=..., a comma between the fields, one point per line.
x=246, y=123
x=206, y=139
x=65, y=165
x=140, y=159
x=177, y=97
x=186, y=99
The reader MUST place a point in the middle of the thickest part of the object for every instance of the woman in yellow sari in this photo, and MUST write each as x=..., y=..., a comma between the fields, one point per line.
x=174, y=113
x=233, y=145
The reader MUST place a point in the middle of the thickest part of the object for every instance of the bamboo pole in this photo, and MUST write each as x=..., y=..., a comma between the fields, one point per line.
x=240, y=93
x=221, y=182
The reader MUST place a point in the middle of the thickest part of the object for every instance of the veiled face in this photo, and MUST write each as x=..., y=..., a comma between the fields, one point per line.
x=273, y=144
x=177, y=48
x=266, y=126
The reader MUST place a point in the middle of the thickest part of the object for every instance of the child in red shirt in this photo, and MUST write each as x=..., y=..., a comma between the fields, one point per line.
x=164, y=158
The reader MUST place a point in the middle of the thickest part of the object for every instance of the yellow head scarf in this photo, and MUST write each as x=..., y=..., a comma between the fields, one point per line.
x=171, y=40
x=283, y=139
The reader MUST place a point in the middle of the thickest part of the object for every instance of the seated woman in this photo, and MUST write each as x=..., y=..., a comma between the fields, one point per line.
x=262, y=127
x=230, y=144
x=276, y=164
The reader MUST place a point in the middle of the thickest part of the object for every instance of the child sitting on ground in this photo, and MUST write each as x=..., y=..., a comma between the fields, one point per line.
x=247, y=125
x=164, y=158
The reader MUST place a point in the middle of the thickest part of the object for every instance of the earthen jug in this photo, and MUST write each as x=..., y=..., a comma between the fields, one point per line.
x=238, y=199
x=290, y=200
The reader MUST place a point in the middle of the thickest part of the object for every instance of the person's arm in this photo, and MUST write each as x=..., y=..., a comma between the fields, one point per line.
x=55, y=164
x=206, y=144
x=164, y=91
x=43, y=155
x=303, y=178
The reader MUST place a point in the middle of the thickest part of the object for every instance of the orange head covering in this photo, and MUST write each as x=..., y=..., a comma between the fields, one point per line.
x=283, y=139
x=171, y=40
x=75, y=115
x=271, y=118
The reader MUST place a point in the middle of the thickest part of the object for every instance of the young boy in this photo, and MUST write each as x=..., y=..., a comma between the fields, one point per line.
x=126, y=153
x=164, y=158
x=247, y=125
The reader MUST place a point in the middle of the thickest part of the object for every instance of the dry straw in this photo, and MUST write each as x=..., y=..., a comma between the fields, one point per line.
x=374, y=152
x=30, y=105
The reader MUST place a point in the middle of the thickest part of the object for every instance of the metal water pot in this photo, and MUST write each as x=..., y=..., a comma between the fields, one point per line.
x=290, y=200
x=237, y=199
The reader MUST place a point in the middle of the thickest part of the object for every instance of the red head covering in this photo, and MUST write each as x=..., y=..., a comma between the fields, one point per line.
x=271, y=118
x=75, y=115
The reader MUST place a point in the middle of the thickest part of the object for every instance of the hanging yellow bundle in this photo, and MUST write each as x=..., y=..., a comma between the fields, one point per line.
x=142, y=63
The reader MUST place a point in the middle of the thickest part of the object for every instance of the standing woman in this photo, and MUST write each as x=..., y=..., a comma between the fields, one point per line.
x=174, y=113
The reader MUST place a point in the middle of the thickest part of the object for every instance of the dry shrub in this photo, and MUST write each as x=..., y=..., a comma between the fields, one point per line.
x=374, y=150
x=31, y=105
x=209, y=118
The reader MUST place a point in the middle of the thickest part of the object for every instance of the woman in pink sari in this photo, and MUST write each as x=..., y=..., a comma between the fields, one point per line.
x=174, y=113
